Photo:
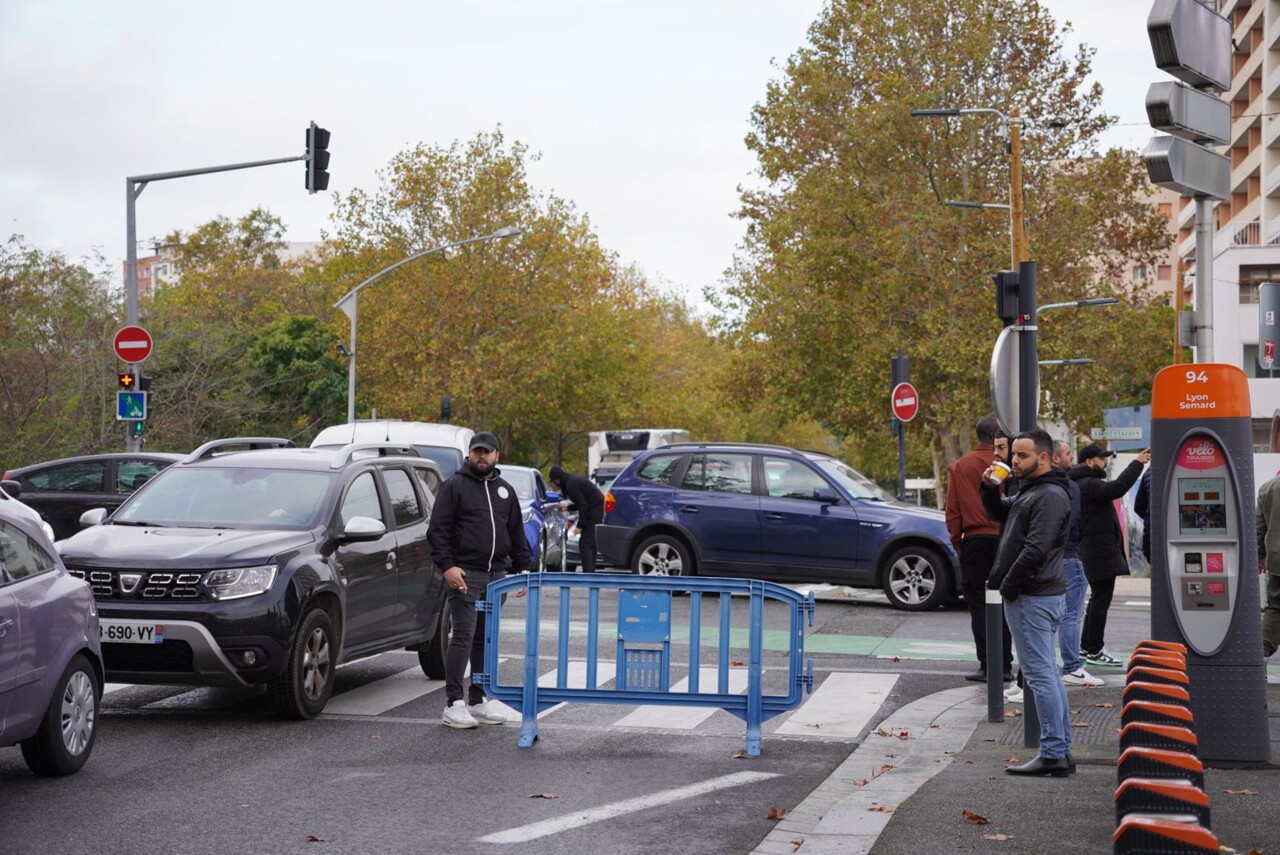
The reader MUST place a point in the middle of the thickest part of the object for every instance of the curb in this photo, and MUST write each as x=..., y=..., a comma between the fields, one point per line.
x=847, y=812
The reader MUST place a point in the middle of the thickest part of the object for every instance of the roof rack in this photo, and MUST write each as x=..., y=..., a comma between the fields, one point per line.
x=726, y=445
x=254, y=443
x=344, y=455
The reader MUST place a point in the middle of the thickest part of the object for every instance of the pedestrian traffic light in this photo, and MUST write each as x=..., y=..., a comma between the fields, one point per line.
x=1006, y=296
x=127, y=380
x=317, y=158
x=135, y=429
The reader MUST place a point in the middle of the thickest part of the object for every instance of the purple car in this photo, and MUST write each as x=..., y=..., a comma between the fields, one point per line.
x=50, y=656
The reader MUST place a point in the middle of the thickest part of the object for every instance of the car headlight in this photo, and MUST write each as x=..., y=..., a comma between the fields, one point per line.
x=239, y=582
x=527, y=514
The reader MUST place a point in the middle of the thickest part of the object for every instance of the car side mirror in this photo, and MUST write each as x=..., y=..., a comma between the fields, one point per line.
x=551, y=496
x=363, y=528
x=13, y=488
x=826, y=495
x=90, y=518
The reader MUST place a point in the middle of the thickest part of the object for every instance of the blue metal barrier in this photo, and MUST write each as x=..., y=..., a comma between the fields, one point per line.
x=643, y=666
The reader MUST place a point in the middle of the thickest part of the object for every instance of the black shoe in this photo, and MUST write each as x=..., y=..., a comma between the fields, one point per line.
x=979, y=676
x=1008, y=676
x=1071, y=763
x=1054, y=767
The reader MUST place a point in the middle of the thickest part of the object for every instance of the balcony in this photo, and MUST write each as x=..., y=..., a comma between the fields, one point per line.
x=1250, y=20
x=1186, y=214
x=1271, y=185
x=1255, y=234
x=1271, y=132
x=1249, y=166
x=1240, y=80
x=1273, y=83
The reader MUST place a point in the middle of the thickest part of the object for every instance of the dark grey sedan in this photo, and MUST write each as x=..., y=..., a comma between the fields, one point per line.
x=61, y=490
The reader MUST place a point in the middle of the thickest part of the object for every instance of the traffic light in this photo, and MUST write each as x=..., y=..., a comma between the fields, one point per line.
x=127, y=381
x=317, y=158
x=1006, y=296
x=135, y=429
x=446, y=409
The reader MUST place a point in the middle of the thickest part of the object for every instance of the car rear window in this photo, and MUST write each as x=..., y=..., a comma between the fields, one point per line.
x=21, y=557
x=719, y=473
x=660, y=469
x=82, y=477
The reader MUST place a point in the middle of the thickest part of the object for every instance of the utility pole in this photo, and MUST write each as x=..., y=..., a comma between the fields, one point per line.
x=1016, y=224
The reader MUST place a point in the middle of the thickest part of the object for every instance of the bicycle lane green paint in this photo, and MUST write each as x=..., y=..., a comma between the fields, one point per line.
x=776, y=639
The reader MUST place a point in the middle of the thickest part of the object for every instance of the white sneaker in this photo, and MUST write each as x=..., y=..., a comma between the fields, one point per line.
x=1081, y=677
x=456, y=715
x=483, y=715
x=1012, y=690
x=1014, y=697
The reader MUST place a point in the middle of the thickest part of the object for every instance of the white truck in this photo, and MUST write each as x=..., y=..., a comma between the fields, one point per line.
x=609, y=451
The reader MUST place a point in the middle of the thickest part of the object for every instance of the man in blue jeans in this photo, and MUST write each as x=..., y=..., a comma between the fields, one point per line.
x=1073, y=672
x=1028, y=573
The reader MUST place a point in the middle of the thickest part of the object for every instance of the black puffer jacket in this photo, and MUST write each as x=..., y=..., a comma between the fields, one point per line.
x=1101, y=542
x=476, y=524
x=1034, y=536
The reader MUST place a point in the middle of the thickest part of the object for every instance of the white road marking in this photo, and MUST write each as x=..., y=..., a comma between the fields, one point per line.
x=385, y=694
x=576, y=679
x=114, y=687
x=685, y=718
x=842, y=705
x=598, y=814
x=207, y=698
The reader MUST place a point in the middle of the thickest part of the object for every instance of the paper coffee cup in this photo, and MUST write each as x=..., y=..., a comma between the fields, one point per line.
x=999, y=471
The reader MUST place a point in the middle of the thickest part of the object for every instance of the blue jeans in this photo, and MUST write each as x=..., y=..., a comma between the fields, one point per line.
x=1033, y=621
x=1072, y=612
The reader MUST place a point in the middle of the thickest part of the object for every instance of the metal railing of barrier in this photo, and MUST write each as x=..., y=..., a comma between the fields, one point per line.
x=644, y=640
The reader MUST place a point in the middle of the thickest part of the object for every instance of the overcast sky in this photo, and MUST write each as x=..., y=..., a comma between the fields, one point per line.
x=638, y=110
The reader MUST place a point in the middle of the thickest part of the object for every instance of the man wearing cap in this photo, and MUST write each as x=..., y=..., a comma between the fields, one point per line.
x=585, y=498
x=475, y=527
x=1268, y=519
x=1101, y=542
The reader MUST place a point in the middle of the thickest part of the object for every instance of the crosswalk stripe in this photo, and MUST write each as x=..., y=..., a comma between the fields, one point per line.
x=841, y=706
x=576, y=679
x=685, y=718
x=385, y=694
x=114, y=687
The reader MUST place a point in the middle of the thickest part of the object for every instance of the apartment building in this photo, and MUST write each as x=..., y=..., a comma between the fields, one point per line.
x=161, y=268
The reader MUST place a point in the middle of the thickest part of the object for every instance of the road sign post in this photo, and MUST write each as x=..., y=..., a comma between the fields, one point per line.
x=905, y=403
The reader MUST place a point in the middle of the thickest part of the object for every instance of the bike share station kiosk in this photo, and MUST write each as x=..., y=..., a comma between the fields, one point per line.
x=1204, y=558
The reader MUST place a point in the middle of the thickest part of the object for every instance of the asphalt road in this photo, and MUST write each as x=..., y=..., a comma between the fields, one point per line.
x=209, y=771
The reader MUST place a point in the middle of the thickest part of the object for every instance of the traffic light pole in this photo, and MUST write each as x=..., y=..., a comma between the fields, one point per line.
x=134, y=185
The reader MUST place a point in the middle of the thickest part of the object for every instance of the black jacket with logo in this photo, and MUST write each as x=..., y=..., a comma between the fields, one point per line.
x=1033, y=537
x=476, y=524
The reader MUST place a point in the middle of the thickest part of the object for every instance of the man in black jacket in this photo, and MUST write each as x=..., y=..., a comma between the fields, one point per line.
x=1101, y=542
x=585, y=498
x=475, y=527
x=1028, y=574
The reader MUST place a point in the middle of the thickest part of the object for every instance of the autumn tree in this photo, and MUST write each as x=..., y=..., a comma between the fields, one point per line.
x=851, y=254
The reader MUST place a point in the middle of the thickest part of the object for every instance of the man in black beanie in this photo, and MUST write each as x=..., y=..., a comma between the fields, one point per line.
x=585, y=498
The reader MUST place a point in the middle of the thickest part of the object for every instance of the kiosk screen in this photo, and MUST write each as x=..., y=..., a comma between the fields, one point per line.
x=1202, y=507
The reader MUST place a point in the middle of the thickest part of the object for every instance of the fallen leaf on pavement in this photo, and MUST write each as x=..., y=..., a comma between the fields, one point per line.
x=1104, y=705
x=813, y=724
x=975, y=818
x=997, y=836
x=935, y=725
x=905, y=734
x=311, y=838
x=775, y=813
x=797, y=843
x=543, y=796
x=1011, y=714
x=880, y=731
x=1080, y=724
x=881, y=809
x=896, y=659
x=861, y=782
x=1242, y=792
x=1012, y=759
x=737, y=664
x=741, y=755
x=375, y=736
x=885, y=768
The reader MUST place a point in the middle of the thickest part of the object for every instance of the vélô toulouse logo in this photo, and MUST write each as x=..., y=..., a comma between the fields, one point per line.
x=1200, y=453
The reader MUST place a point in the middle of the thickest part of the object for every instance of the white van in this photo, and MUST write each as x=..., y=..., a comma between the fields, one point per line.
x=447, y=445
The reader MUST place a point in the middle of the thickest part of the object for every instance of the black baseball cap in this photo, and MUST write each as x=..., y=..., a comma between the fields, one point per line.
x=484, y=440
x=1091, y=451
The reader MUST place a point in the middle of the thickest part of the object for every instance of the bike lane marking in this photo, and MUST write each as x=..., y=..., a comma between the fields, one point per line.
x=842, y=706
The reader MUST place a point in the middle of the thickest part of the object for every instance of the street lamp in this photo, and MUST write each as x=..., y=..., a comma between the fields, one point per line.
x=348, y=304
x=1075, y=361
x=1079, y=304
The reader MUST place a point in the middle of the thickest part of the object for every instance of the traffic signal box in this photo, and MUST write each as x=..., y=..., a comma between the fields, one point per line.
x=317, y=158
x=1161, y=804
x=127, y=381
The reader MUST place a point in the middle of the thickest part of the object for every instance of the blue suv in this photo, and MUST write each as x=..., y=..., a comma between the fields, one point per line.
x=772, y=512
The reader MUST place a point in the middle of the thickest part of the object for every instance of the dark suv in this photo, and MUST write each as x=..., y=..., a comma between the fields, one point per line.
x=776, y=513
x=270, y=566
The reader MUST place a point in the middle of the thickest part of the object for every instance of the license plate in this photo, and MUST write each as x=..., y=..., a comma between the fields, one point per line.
x=130, y=631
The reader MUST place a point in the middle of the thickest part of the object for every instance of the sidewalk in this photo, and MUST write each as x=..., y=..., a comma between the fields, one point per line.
x=919, y=803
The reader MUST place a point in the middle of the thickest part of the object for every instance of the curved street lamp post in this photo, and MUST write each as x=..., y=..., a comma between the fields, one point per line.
x=348, y=304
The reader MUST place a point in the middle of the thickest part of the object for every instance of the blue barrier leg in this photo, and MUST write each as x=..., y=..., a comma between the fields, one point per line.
x=529, y=713
x=755, y=670
x=593, y=634
x=562, y=646
x=695, y=640
x=725, y=604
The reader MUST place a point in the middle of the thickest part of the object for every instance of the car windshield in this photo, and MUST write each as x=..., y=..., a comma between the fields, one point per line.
x=236, y=497
x=854, y=482
x=448, y=458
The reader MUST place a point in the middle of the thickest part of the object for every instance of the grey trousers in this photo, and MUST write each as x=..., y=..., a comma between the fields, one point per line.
x=466, y=643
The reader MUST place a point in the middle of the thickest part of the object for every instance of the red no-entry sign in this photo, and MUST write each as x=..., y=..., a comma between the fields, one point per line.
x=132, y=344
x=904, y=401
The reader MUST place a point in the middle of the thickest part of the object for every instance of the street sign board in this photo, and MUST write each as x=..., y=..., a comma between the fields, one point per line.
x=1005, y=381
x=1133, y=433
x=1268, y=324
x=131, y=406
x=132, y=344
x=904, y=401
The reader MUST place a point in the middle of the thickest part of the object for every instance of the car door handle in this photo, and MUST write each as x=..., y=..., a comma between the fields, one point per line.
x=4, y=627
x=391, y=561
x=774, y=515
x=688, y=509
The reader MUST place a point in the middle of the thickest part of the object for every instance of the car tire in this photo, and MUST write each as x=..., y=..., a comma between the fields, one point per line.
x=916, y=578
x=70, y=726
x=303, y=688
x=432, y=658
x=663, y=555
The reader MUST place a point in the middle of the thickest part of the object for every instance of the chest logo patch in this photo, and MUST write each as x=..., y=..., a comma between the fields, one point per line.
x=502, y=493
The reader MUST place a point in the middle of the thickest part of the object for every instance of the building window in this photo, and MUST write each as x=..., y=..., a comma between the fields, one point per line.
x=1253, y=275
x=1164, y=272
x=1250, y=366
x=1139, y=274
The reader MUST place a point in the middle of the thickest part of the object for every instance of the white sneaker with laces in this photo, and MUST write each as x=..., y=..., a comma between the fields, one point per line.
x=456, y=715
x=483, y=715
x=1012, y=690
x=1081, y=677
x=1014, y=697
